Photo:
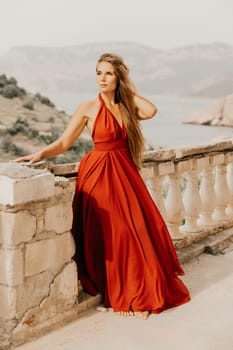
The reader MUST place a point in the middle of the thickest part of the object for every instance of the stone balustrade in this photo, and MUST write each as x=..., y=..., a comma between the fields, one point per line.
x=192, y=186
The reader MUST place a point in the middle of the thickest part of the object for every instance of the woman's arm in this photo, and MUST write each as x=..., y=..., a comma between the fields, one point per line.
x=65, y=141
x=145, y=109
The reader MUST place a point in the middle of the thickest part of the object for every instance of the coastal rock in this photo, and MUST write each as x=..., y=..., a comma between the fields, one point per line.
x=219, y=114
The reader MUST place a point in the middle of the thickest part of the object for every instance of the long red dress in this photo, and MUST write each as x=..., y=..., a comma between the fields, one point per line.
x=123, y=248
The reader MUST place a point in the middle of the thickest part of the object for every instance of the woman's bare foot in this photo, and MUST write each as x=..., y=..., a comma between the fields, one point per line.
x=125, y=313
x=142, y=314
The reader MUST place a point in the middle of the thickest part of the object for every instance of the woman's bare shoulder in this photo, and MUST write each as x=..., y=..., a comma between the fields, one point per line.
x=87, y=107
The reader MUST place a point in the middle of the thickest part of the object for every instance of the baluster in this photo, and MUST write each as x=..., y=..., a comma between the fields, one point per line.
x=208, y=197
x=222, y=193
x=147, y=175
x=174, y=207
x=158, y=192
x=155, y=186
x=192, y=202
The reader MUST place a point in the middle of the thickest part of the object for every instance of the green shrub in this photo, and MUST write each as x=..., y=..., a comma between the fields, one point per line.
x=28, y=104
x=12, y=80
x=18, y=126
x=32, y=133
x=5, y=144
x=11, y=91
x=9, y=87
x=22, y=126
x=44, y=100
x=47, y=139
x=9, y=147
x=3, y=80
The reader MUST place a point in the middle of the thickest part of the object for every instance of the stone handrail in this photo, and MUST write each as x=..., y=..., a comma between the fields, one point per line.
x=199, y=188
x=192, y=186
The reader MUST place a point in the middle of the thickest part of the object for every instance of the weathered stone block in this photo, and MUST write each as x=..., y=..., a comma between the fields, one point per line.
x=11, y=266
x=63, y=185
x=184, y=166
x=7, y=302
x=59, y=218
x=165, y=168
x=17, y=227
x=34, y=289
x=200, y=163
x=48, y=253
x=61, y=298
x=229, y=157
x=20, y=184
x=64, y=289
x=217, y=159
x=147, y=171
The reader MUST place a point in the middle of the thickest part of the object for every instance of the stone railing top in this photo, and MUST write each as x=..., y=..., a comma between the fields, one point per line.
x=180, y=152
x=159, y=155
x=68, y=169
x=20, y=184
x=18, y=171
x=26, y=170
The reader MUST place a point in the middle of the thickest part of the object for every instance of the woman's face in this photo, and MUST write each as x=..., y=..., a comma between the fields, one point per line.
x=106, y=77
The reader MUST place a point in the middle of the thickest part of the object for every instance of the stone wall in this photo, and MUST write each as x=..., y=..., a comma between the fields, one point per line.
x=38, y=279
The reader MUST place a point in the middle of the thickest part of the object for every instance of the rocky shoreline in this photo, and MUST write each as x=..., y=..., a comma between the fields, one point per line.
x=219, y=114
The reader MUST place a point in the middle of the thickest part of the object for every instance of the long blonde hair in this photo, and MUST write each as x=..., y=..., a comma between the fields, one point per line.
x=124, y=96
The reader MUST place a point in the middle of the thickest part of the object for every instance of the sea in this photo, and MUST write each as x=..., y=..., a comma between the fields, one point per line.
x=166, y=129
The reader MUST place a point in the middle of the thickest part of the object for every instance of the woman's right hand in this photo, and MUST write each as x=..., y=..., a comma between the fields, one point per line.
x=32, y=158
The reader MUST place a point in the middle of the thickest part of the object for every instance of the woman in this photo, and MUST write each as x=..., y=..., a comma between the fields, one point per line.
x=123, y=248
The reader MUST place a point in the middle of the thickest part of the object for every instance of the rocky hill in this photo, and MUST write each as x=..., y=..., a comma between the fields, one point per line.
x=221, y=113
x=30, y=121
x=197, y=70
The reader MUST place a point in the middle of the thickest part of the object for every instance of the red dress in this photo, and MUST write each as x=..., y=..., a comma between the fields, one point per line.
x=123, y=248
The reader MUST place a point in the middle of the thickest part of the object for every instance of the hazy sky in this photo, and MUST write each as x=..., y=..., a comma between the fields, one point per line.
x=156, y=23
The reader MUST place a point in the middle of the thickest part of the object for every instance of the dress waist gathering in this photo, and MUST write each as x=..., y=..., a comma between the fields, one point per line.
x=110, y=145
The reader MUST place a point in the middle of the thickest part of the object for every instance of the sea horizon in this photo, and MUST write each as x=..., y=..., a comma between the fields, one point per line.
x=166, y=129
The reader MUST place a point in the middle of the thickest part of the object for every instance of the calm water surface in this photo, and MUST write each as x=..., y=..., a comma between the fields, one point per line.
x=167, y=129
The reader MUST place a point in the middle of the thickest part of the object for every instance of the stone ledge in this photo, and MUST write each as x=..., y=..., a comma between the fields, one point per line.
x=195, y=237
x=21, y=184
x=88, y=303
x=217, y=241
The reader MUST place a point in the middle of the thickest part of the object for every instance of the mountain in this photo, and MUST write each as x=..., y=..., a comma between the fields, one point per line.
x=197, y=70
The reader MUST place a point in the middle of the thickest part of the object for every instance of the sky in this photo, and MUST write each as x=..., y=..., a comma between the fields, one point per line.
x=160, y=24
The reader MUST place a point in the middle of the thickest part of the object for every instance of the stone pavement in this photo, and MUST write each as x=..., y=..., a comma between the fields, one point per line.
x=205, y=323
